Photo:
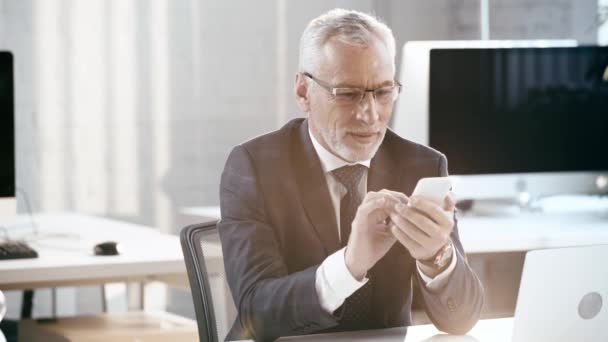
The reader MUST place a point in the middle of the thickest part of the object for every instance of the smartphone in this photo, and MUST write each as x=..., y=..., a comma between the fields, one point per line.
x=433, y=188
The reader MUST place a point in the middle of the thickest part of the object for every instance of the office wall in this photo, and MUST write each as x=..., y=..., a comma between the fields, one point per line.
x=548, y=19
x=603, y=30
x=128, y=108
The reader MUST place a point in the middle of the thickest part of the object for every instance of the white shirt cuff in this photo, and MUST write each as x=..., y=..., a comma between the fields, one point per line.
x=334, y=282
x=440, y=279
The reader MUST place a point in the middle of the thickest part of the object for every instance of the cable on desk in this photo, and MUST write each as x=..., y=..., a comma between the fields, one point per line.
x=36, y=238
x=35, y=234
x=28, y=207
x=5, y=231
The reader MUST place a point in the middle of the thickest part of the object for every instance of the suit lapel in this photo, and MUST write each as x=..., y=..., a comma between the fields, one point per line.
x=313, y=189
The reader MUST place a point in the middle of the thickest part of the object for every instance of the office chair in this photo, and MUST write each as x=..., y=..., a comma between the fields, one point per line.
x=213, y=304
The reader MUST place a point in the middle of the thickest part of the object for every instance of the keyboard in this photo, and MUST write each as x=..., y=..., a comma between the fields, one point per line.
x=13, y=249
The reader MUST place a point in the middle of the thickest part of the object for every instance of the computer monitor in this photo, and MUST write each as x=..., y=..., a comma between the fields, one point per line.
x=8, y=204
x=512, y=117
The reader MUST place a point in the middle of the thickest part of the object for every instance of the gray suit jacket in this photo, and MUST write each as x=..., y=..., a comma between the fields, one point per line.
x=278, y=225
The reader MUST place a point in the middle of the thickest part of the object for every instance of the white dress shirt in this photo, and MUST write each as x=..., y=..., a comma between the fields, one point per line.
x=334, y=282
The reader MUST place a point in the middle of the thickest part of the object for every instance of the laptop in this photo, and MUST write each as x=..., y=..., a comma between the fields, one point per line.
x=563, y=295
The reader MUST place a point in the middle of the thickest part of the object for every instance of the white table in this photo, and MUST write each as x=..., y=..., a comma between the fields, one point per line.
x=490, y=330
x=65, y=247
x=204, y=213
x=532, y=231
x=528, y=231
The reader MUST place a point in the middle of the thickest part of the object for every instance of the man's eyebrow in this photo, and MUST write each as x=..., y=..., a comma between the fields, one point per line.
x=350, y=85
x=387, y=83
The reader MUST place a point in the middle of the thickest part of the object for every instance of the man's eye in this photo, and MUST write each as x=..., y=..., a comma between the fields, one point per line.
x=384, y=92
x=348, y=96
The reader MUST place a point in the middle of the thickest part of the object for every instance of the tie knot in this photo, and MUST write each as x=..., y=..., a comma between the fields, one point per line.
x=349, y=175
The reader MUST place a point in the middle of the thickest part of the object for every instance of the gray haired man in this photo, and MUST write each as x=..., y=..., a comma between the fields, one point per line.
x=317, y=232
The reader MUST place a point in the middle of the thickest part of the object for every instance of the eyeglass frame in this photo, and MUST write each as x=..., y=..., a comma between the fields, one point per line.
x=333, y=90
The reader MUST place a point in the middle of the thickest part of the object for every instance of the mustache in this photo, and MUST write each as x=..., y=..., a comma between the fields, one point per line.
x=364, y=132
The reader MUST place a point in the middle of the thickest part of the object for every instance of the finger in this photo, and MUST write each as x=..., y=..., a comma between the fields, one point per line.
x=411, y=245
x=424, y=223
x=419, y=219
x=378, y=213
x=401, y=197
x=371, y=204
x=382, y=230
x=400, y=221
x=372, y=195
x=449, y=203
x=398, y=198
x=376, y=210
x=412, y=230
x=388, y=206
x=430, y=209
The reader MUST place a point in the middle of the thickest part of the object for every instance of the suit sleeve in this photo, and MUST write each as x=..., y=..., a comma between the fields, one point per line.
x=270, y=302
x=455, y=307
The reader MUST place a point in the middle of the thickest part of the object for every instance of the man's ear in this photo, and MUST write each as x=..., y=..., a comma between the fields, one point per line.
x=300, y=90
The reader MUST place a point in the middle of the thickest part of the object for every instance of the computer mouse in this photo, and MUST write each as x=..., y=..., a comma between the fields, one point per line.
x=107, y=248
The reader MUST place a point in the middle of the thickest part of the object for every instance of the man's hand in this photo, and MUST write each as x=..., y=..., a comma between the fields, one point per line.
x=423, y=227
x=370, y=238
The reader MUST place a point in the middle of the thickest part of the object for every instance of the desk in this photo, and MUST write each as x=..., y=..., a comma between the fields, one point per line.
x=68, y=260
x=531, y=231
x=202, y=213
x=490, y=330
x=528, y=231
x=496, y=245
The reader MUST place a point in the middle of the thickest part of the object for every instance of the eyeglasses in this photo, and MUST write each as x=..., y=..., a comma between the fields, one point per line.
x=384, y=95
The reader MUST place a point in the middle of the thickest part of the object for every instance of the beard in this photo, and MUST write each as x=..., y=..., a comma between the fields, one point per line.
x=347, y=146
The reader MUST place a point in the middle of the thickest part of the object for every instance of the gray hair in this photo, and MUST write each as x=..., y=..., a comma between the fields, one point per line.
x=348, y=26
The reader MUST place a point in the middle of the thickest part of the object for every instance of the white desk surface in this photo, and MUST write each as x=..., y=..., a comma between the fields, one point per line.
x=532, y=231
x=69, y=259
x=489, y=330
x=207, y=212
x=508, y=233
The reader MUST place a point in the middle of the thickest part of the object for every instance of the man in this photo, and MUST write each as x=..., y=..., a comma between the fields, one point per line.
x=317, y=232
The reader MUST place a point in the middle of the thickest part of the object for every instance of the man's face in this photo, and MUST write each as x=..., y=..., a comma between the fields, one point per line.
x=352, y=132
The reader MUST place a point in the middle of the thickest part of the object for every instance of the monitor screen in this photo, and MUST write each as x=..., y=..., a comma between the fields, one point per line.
x=7, y=127
x=520, y=110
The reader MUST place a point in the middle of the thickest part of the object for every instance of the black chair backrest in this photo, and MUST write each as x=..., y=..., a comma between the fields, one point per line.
x=204, y=262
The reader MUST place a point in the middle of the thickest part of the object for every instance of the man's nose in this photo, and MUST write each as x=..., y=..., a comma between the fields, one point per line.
x=368, y=112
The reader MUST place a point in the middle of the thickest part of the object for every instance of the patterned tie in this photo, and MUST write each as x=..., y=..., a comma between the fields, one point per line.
x=350, y=177
x=356, y=308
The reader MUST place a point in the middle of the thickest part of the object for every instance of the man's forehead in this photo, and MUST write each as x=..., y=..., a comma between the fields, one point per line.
x=351, y=65
x=351, y=76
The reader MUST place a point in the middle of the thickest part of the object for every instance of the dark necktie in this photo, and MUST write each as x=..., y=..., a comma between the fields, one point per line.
x=356, y=308
x=350, y=177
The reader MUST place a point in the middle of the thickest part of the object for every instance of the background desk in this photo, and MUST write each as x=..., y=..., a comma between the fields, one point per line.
x=491, y=330
x=520, y=233
x=496, y=246
x=65, y=247
x=532, y=231
x=202, y=213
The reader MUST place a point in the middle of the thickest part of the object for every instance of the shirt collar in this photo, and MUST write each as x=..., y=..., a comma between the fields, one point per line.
x=329, y=161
